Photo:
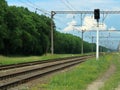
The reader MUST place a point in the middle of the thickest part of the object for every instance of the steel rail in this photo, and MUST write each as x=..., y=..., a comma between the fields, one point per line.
x=6, y=76
x=38, y=73
x=5, y=67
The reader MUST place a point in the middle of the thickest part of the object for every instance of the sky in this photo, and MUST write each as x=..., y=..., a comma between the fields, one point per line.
x=71, y=23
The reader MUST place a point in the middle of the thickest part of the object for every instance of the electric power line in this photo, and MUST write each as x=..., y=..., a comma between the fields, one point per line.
x=26, y=4
x=38, y=8
x=32, y=6
x=69, y=7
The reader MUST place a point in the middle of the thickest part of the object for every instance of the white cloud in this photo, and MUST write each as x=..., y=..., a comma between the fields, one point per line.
x=70, y=27
x=72, y=23
x=89, y=23
x=112, y=28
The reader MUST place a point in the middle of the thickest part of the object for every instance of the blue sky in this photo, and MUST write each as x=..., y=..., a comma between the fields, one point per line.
x=66, y=22
x=77, y=4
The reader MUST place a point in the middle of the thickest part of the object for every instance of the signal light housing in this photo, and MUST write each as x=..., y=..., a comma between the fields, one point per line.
x=97, y=14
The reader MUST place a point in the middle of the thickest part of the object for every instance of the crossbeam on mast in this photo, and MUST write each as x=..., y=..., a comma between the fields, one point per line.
x=85, y=12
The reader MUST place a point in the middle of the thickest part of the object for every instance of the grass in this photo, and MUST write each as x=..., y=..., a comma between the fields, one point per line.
x=5, y=60
x=80, y=77
x=114, y=80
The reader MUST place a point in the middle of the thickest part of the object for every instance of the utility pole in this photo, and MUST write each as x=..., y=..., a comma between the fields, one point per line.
x=36, y=11
x=52, y=28
x=92, y=44
x=82, y=48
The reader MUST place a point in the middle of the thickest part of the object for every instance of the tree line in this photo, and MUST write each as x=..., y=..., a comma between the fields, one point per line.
x=23, y=32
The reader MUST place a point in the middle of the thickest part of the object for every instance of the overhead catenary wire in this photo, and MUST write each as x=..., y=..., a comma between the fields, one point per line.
x=28, y=4
x=38, y=8
x=34, y=6
x=69, y=7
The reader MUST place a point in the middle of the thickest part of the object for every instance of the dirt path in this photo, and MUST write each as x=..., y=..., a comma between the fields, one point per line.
x=101, y=80
x=118, y=88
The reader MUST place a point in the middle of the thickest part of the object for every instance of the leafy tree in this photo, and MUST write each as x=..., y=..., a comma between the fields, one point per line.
x=27, y=33
x=3, y=30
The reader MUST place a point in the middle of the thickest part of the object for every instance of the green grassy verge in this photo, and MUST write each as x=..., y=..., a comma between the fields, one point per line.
x=14, y=60
x=114, y=80
x=80, y=77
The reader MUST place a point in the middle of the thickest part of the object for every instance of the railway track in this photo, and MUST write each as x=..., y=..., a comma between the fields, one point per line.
x=16, y=76
x=11, y=66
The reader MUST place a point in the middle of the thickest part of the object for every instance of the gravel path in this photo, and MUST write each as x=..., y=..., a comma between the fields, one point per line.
x=100, y=81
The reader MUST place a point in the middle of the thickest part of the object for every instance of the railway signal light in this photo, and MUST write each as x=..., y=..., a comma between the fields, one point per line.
x=97, y=14
x=97, y=17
